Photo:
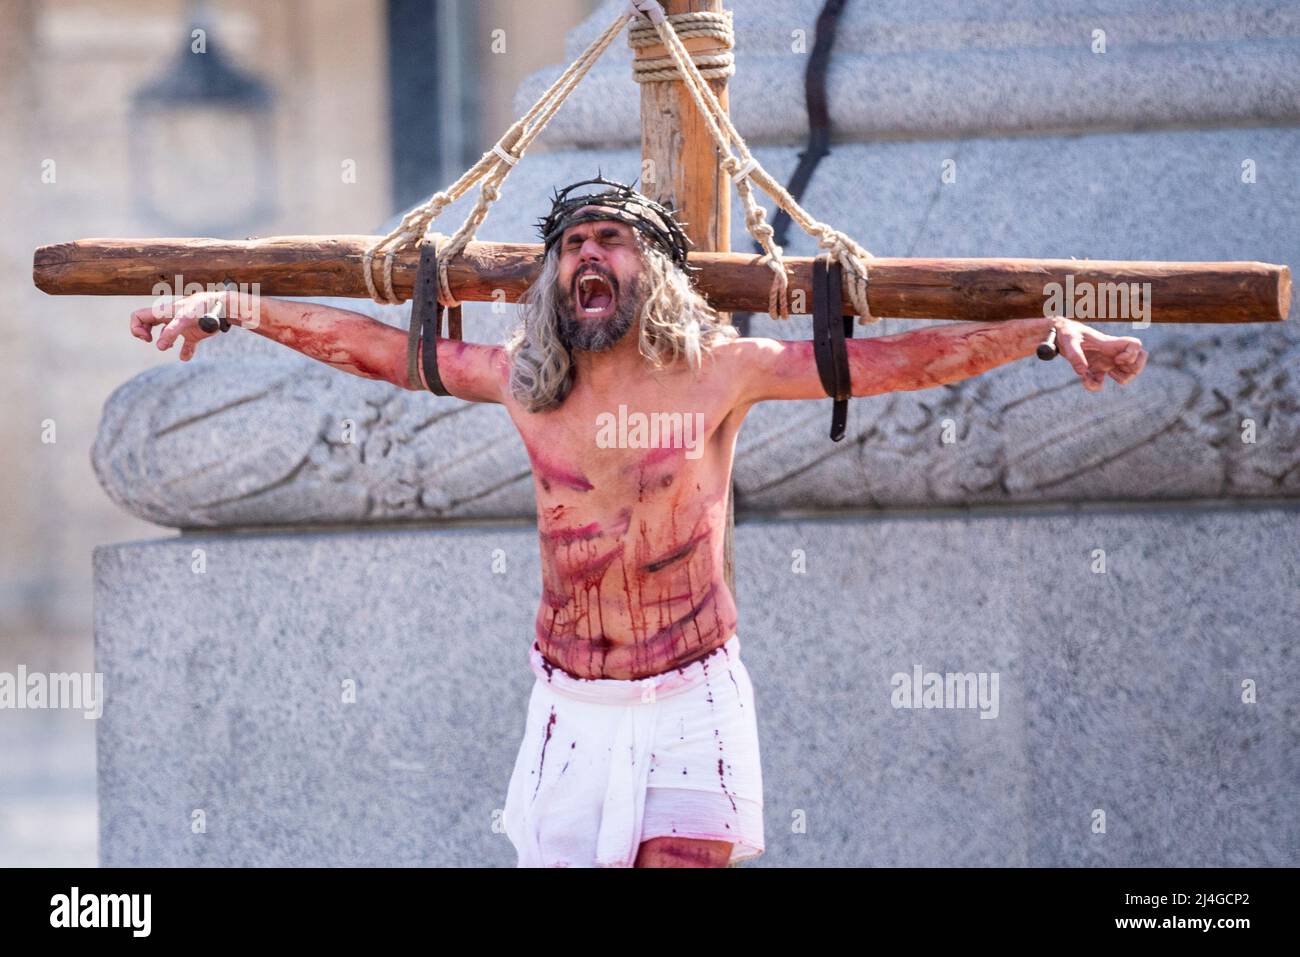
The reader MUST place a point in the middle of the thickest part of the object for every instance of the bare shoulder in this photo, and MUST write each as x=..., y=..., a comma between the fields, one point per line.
x=746, y=355
x=764, y=368
x=758, y=350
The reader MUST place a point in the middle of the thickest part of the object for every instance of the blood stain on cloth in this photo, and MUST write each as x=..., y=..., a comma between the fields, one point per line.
x=730, y=675
x=721, y=774
x=545, y=741
x=572, y=745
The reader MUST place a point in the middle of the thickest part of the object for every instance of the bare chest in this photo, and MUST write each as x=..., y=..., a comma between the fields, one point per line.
x=626, y=449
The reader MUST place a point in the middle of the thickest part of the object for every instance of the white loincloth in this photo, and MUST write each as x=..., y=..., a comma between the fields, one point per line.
x=606, y=764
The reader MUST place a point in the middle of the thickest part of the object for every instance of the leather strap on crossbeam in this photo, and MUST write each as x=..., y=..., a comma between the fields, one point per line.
x=831, y=329
x=426, y=323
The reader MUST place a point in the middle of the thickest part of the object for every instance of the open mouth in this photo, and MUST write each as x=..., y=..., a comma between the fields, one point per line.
x=595, y=294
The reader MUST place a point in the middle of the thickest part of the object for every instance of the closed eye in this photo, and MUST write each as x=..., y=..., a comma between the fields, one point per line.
x=609, y=236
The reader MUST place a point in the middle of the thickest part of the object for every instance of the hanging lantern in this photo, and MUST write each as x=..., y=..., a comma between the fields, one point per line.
x=201, y=138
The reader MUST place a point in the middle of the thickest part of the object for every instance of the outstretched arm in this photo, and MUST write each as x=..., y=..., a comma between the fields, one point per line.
x=346, y=340
x=924, y=358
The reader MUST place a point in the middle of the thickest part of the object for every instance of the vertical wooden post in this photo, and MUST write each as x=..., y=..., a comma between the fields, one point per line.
x=680, y=165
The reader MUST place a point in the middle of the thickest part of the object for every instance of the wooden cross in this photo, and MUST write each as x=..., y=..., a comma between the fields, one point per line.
x=675, y=145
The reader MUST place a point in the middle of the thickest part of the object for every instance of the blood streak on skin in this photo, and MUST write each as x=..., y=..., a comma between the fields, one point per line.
x=677, y=554
x=656, y=456
x=584, y=572
x=620, y=527
x=584, y=578
x=545, y=741
x=646, y=480
x=638, y=607
x=551, y=473
x=690, y=587
x=576, y=555
x=632, y=609
x=699, y=639
x=669, y=599
x=592, y=573
x=678, y=627
x=323, y=346
x=567, y=536
x=604, y=642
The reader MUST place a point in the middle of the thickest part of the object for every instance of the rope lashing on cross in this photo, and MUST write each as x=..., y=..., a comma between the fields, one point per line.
x=743, y=167
x=704, y=25
x=652, y=26
x=664, y=31
x=491, y=169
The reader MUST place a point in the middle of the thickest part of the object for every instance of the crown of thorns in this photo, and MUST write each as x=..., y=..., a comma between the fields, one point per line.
x=616, y=201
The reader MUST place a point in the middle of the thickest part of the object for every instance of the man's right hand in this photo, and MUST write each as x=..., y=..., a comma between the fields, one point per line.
x=342, y=339
x=179, y=318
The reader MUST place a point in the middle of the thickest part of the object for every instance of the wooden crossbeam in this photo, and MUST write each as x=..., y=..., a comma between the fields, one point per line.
x=982, y=290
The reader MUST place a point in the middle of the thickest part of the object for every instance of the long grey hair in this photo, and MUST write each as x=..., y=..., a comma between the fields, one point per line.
x=676, y=323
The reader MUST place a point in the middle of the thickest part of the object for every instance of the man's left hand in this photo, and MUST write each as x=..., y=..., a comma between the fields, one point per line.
x=1094, y=355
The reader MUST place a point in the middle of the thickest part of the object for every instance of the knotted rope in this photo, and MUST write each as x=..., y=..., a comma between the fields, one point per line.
x=744, y=167
x=493, y=168
x=695, y=72
x=701, y=25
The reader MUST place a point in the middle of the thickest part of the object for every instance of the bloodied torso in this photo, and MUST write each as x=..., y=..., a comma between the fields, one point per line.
x=631, y=488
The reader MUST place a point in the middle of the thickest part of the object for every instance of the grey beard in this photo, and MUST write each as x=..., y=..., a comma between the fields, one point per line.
x=589, y=335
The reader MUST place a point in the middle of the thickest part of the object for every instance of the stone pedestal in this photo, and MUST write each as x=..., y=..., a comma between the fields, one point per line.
x=366, y=709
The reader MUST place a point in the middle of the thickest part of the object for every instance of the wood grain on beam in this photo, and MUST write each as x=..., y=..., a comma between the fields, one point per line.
x=983, y=290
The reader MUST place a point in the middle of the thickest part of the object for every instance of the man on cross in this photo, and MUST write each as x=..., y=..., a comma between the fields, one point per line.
x=641, y=745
